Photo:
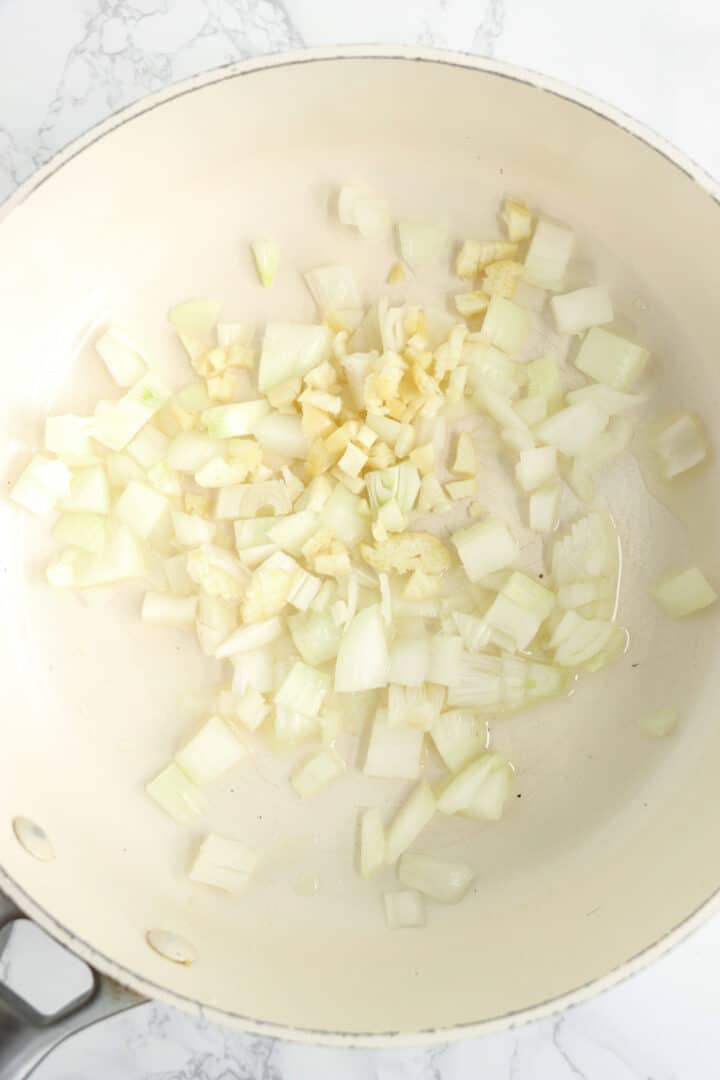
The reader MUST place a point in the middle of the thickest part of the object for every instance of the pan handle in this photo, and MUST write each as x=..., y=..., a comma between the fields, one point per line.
x=74, y=998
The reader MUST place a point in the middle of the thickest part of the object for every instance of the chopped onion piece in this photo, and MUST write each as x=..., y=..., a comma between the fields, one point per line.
x=318, y=771
x=250, y=638
x=544, y=508
x=253, y=669
x=680, y=443
x=372, y=843
x=588, y=550
x=216, y=619
x=82, y=530
x=549, y=254
x=578, y=311
x=217, y=572
x=121, y=356
x=364, y=637
x=192, y=531
x=404, y=909
x=249, y=707
x=684, y=592
x=121, y=559
x=190, y=450
x=393, y=752
x=506, y=325
x=316, y=636
x=266, y=256
x=303, y=689
x=520, y=608
x=164, y=610
x=421, y=243
x=141, y=509
x=223, y=864
x=440, y=879
x=283, y=435
x=445, y=657
x=459, y=736
x=194, y=318
x=291, y=726
x=89, y=491
x=536, y=467
x=462, y=789
x=485, y=547
x=611, y=359
x=249, y=500
x=42, y=485
x=117, y=422
x=241, y=418
x=659, y=722
x=489, y=800
x=211, y=752
x=399, y=483
x=176, y=794
x=414, y=706
x=607, y=400
x=577, y=640
x=409, y=822
x=360, y=207
x=290, y=349
x=409, y=660
x=573, y=429
x=70, y=438
x=333, y=287
x=149, y=447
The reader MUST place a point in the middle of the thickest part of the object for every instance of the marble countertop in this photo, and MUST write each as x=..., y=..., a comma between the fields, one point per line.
x=654, y=59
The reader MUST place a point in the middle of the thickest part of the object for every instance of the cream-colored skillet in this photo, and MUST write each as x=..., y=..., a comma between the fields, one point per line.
x=610, y=855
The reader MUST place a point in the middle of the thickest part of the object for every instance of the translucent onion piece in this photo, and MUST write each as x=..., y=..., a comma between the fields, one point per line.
x=440, y=879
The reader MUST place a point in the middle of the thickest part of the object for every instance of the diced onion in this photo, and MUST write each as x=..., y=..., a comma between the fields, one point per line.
x=404, y=909
x=506, y=325
x=549, y=254
x=267, y=256
x=393, y=752
x=680, y=444
x=175, y=793
x=333, y=287
x=291, y=349
x=409, y=822
x=372, y=843
x=304, y=689
x=571, y=430
x=249, y=638
x=485, y=547
x=421, y=243
x=224, y=864
x=42, y=485
x=440, y=879
x=211, y=752
x=164, y=610
x=578, y=311
x=611, y=359
x=459, y=736
x=317, y=772
x=364, y=637
x=683, y=593
x=121, y=356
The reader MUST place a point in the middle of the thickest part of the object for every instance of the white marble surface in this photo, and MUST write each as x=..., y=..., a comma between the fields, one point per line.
x=65, y=64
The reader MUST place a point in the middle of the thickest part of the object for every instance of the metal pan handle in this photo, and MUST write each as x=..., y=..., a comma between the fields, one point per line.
x=33, y=1024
